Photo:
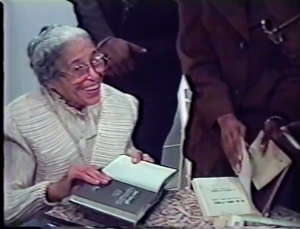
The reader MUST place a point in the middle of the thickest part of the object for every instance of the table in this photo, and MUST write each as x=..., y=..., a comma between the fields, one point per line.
x=179, y=209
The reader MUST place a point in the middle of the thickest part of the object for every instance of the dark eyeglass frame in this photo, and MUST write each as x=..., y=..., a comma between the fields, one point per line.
x=275, y=33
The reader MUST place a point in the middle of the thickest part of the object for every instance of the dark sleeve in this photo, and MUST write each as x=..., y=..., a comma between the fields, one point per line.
x=286, y=99
x=200, y=64
x=90, y=18
x=294, y=129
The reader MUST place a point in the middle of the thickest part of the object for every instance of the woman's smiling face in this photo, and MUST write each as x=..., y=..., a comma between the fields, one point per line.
x=80, y=68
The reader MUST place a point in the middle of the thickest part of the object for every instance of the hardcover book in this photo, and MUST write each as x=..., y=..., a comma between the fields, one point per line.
x=133, y=191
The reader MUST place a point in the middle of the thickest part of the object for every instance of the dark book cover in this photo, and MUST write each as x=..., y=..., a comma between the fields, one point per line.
x=117, y=201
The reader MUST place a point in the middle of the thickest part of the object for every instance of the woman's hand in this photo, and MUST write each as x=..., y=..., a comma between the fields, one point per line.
x=232, y=130
x=120, y=54
x=139, y=156
x=82, y=173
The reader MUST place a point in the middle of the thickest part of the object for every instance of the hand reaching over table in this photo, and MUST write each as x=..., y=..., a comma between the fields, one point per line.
x=232, y=131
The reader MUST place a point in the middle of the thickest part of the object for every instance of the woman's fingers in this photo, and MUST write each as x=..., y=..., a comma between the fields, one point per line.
x=104, y=179
x=147, y=158
x=137, y=157
x=87, y=178
x=97, y=175
x=91, y=175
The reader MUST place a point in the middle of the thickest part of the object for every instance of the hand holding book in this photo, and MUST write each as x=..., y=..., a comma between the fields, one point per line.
x=87, y=173
x=139, y=156
x=134, y=189
x=232, y=130
x=284, y=135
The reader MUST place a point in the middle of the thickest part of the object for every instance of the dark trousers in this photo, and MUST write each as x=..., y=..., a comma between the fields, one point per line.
x=154, y=124
x=156, y=115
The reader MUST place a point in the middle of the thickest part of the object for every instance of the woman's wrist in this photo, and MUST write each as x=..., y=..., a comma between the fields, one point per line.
x=56, y=192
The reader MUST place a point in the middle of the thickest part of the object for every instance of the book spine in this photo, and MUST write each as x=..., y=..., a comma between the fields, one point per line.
x=202, y=204
x=105, y=219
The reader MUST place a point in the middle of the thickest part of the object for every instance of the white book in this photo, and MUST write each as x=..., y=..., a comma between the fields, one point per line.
x=221, y=196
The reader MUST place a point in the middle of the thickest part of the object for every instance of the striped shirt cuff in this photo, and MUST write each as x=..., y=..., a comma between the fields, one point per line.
x=43, y=193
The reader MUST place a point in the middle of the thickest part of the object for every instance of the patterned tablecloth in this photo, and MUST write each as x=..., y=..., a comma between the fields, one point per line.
x=178, y=209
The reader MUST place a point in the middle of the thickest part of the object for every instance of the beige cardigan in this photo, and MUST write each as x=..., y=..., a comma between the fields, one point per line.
x=38, y=150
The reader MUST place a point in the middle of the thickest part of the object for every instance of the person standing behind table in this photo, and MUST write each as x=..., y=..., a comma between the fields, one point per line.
x=141, y=44
x=238, y=75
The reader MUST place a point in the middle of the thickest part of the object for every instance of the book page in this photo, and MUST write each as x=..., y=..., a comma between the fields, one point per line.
x=268, y=165
x=222, y=196
x=245, y=174
x=144, y=174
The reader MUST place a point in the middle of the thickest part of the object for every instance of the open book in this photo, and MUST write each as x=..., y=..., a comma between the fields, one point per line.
x=134, y=189
x=145, y=175
x=232, y=195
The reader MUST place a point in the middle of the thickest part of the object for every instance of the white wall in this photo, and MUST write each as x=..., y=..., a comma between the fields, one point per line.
x=23, y=21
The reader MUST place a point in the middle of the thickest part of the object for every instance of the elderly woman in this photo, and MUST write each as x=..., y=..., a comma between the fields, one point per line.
x=68, y=130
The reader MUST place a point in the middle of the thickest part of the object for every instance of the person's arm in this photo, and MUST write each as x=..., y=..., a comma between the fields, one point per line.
x=287, y=93
x=22, y=198
x=200, y=64
x=294, y=129
x=131, y=149
x=90, y=18
x=285, y=100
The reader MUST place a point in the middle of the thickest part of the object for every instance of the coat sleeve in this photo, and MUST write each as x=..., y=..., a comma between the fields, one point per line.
x=90, y=18
x=286, y=97
x=22, y=198
x=130, y=149
x=200, y=64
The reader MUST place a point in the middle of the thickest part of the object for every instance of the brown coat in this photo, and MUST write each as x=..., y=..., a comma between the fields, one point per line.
x=233, y=67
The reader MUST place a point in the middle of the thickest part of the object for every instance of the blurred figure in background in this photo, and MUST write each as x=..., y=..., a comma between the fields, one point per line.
x=140, y=41
x=241, y=71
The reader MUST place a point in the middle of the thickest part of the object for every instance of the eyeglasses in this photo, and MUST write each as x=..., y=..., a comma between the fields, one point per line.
x=275, y=33
x=98, y=62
